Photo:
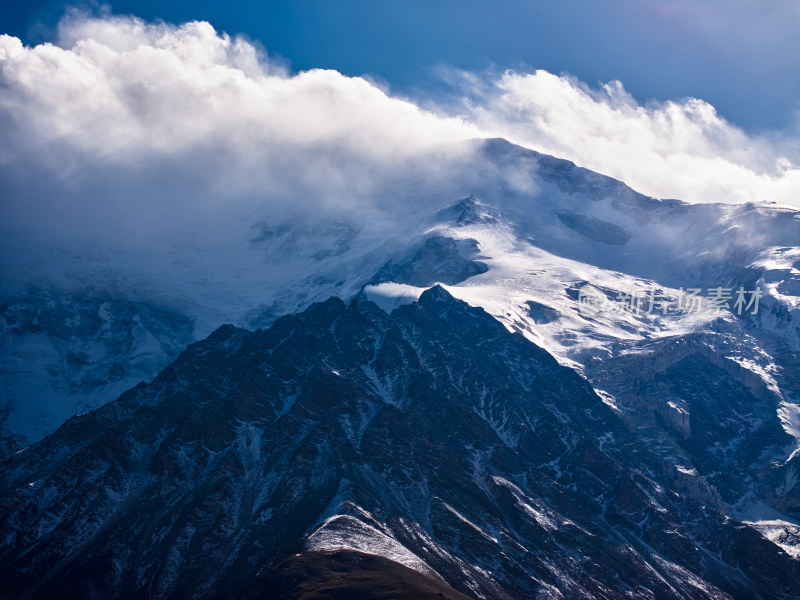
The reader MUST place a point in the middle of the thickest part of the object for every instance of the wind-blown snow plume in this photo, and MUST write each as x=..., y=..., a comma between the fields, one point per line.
x=679, y=149
x=122, y=129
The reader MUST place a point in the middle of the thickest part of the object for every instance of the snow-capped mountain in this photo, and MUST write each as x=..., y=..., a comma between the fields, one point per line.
x=531, y=232
x=432, y=437
x=700, y=400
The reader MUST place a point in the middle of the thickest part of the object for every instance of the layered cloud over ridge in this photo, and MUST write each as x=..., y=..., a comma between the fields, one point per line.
x=120, y=118
x=680, y=149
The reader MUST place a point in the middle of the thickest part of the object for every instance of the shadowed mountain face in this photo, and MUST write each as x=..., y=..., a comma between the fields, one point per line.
x=88, y=348
x=431, y=437
x=439, y=260
x=345, y=575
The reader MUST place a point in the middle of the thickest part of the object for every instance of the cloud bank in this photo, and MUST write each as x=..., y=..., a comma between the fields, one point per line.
x=122, y=128
x=677, y=149
x=188, y=117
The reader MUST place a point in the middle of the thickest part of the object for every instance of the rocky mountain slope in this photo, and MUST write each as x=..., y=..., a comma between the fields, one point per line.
x=432, y=437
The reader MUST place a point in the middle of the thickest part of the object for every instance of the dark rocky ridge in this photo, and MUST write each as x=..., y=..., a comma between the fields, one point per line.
x=439, y=260
x=343, y=575
x=431, y=436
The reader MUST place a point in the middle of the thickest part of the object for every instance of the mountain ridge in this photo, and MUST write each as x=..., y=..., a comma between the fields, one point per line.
x=431, y=433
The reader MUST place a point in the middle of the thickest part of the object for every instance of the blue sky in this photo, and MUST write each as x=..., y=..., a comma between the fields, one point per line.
x=743, y=57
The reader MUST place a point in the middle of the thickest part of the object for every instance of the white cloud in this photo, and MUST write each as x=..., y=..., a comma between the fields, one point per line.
x=123, y=128
x=118, y=88
x=147, y=139
x=679, y=149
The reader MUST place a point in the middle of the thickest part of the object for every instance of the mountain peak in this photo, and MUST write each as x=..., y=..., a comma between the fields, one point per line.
x=468, y=211
x=435, y=294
